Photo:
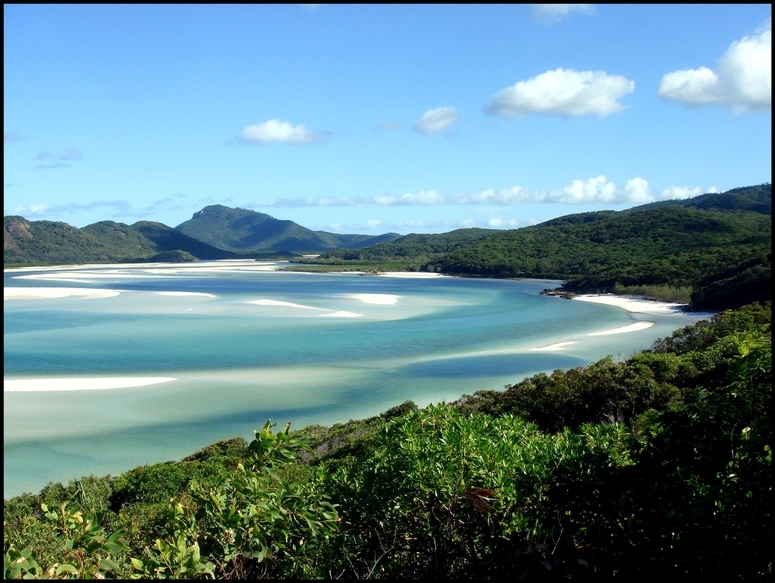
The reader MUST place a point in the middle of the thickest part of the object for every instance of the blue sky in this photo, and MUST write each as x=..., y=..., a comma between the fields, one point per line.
x=369, y=119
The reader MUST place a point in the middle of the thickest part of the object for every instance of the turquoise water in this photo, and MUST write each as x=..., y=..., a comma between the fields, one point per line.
x=317, y=348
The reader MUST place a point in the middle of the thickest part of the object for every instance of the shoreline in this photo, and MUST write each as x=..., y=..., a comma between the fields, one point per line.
x=638, y=304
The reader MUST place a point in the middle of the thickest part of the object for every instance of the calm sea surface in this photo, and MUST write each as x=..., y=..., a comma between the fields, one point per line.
x=245, y=344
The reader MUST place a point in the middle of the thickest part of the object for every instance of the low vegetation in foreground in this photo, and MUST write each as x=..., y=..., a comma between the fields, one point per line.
x=658, y=465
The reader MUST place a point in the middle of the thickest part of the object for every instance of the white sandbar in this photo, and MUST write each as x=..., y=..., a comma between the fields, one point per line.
x=624, y=329
x=81, y=384
x=280, y=303
x=341, y=314
x=181, y=293
x=411, y=274
x=381, y=299
x=114, y=274
x=558, y=346
x=46, y=293
x=632, y=303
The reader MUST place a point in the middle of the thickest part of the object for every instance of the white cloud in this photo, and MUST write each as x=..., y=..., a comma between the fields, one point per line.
x=504, y=223
x=274, y=131
x=33, y=209
x=372, y=225
x=68, y=209
x=596, y=190
x=586, y=191
x=424, y=197
x=742, y=80
x=562, y=92
x=637, y=191
x=681, y=192
x=550, y=13
x=513, y=195
x=436, y=120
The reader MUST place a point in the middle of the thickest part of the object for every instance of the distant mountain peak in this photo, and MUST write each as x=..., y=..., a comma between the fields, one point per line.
x=247, y=231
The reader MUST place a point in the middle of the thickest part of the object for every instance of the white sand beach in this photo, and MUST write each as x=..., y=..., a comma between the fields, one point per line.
x=410, y=274
x=81, y=384
x=624, y=329
x=47, y=293
x=633, y=304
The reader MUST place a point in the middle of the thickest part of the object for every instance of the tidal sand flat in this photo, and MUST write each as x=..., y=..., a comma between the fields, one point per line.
x=557, y=346
x=81, y=384
x=47, y=293
x=247, y=345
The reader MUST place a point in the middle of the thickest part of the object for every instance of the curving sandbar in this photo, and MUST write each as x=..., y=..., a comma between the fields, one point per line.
x=558, y=346
x=281, y=303
x=47, y=293
x=81, y=384
x=182, y=293
x=410, y=274
x=341, y=314
x=624, y=329
x=632, y=303
x=379, y=299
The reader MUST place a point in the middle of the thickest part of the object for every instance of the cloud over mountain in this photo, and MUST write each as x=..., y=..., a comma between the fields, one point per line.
x=597, y=190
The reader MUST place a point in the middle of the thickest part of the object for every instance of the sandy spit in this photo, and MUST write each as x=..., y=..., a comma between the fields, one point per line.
x=47, y=293
x=81, y=384
x=632, y=303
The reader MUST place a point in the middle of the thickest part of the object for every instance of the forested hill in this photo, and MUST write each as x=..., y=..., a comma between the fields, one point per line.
x=419, y=249
x=55, y=243
x=714, y=249
x=748, y=198
x=246, y=231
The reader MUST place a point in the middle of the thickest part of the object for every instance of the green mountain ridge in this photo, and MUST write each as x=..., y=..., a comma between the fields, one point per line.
x=246, y=231
x=56, y=243
x=747, y=198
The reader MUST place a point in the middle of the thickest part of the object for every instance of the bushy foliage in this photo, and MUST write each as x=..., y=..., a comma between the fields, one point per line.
x=448, y=495
x=249, y=524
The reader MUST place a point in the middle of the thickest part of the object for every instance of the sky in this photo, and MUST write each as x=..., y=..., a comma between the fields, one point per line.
x=372, y=119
